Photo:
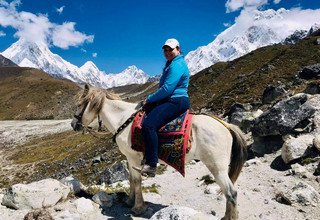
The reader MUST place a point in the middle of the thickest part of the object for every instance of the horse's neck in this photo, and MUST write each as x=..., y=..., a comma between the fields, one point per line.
x=115, y=112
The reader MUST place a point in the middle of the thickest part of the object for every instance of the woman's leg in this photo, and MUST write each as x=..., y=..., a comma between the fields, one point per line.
x=158, y=117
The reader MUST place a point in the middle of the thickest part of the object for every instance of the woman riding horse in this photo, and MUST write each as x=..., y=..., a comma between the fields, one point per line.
x=166, y=104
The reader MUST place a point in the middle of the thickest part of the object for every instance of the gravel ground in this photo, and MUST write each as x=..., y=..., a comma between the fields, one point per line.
x=257, y=185
x=18, y=132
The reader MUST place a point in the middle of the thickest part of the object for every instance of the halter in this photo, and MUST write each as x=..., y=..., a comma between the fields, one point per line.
x=79, y=117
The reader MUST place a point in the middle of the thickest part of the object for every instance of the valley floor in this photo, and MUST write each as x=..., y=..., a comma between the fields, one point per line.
x=257, y=185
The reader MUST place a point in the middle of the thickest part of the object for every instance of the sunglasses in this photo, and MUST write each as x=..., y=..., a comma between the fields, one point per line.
x=167, y=49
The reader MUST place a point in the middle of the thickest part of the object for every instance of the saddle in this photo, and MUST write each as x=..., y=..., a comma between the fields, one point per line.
x=173, y=139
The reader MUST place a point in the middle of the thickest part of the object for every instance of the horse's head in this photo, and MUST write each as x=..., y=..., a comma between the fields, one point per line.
x=89, y=105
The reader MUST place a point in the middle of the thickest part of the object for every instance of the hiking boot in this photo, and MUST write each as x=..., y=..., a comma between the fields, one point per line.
x=146, y=170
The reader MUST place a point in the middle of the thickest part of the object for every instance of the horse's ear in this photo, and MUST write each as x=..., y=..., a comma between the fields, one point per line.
x=86, y=89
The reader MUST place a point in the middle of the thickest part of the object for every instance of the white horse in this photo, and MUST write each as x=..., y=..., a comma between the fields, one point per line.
x=219, y=145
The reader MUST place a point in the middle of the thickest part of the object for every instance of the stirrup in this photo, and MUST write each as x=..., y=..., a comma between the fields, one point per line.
x=146, y=170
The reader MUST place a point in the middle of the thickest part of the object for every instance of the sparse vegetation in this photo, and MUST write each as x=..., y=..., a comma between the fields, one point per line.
x=244, y=79
x=59, y=155
x=30, y=94
x=207, y=179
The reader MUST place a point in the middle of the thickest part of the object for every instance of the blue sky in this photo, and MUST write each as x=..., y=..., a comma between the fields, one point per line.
x=117, y=34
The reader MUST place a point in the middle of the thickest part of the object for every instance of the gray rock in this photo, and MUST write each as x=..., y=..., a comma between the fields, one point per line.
x=300, y=171
x=312, y=88
x=96, y=159
x=39, y=194
x=316, y=141
x=252, y=162
x=117, y=172
x=304, y=194
x=310, y=72
x=103, y=199
x=180, y=213
x=272, y=93
x=267, y=144
x=294, y=148
x=283, y=117
x=84, y=206
x=75, y=185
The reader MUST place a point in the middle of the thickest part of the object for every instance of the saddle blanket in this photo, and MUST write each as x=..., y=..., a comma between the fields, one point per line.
x=173, y=139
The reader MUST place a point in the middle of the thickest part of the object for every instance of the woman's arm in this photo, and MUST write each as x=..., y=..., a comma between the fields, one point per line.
x=170, y=83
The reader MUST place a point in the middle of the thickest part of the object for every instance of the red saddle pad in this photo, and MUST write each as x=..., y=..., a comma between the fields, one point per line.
x=173, y=139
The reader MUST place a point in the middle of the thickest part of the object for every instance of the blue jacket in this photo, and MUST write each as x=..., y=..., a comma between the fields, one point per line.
x=173, y=82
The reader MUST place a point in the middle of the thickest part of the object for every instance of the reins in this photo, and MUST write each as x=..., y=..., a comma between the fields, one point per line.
x=125, y=124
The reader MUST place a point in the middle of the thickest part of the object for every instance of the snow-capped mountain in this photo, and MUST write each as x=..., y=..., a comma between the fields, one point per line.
x=28, y=54
x=131, y=74
x=251, y=31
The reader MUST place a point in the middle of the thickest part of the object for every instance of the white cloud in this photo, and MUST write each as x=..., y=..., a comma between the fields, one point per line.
x=60, y=10
x=94, y=54
x=227, y=24
x=276, y=1
x=83, y=50
x=234, y=5
x=65, y=35
x=2, y=34
x=38, y=28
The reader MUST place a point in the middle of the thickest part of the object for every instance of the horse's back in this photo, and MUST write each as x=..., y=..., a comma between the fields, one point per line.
x=210, y=138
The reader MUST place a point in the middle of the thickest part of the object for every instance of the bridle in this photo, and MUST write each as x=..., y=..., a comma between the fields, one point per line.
x=123, y=126
x=79, y=117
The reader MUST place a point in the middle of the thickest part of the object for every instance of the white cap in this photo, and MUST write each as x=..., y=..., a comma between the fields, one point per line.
x=172, y=43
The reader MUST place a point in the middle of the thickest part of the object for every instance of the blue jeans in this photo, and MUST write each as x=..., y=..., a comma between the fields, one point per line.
x=156, y=117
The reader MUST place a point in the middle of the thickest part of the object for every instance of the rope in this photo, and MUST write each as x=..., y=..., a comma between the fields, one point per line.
x=125, y=124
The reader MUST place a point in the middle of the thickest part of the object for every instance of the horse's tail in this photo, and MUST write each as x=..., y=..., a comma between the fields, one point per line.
x=239, y=152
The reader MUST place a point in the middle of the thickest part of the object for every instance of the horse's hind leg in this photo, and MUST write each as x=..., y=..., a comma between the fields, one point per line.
x=228, y=190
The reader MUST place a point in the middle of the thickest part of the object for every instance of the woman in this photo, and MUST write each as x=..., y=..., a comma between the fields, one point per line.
x=166, y=104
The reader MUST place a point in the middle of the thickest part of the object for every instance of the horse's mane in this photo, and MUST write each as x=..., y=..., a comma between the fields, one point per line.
x=96, y=97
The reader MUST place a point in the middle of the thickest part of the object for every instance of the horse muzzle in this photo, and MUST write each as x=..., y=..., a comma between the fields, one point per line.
x=77, y=126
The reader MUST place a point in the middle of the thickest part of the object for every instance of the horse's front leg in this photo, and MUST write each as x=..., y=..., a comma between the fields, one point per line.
x=136, y=189
x=131, y=198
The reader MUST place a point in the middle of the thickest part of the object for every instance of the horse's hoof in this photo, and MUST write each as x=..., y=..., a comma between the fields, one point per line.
x=138, y=210
x=129, y=202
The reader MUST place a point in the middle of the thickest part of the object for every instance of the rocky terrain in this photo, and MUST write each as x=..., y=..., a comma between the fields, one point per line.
x=267, y=189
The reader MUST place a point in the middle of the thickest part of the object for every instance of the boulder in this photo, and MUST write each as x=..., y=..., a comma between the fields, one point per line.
x=117, y=172
x=310, y=72
x=272, y=93
x=75, y=185
x=180, y=213
x=103, y=199
x=300, y=171
x=316, y=141
x=244, y=119
x=294, y=148
x=303, y=194
x=283, y=117
x=313, y=88
x=35, y=195
x=266, y=145
x=84, y=206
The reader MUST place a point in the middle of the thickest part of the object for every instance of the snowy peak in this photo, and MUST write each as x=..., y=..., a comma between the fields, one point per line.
x=89, y=66
x=250, y=31
x=37, y=55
